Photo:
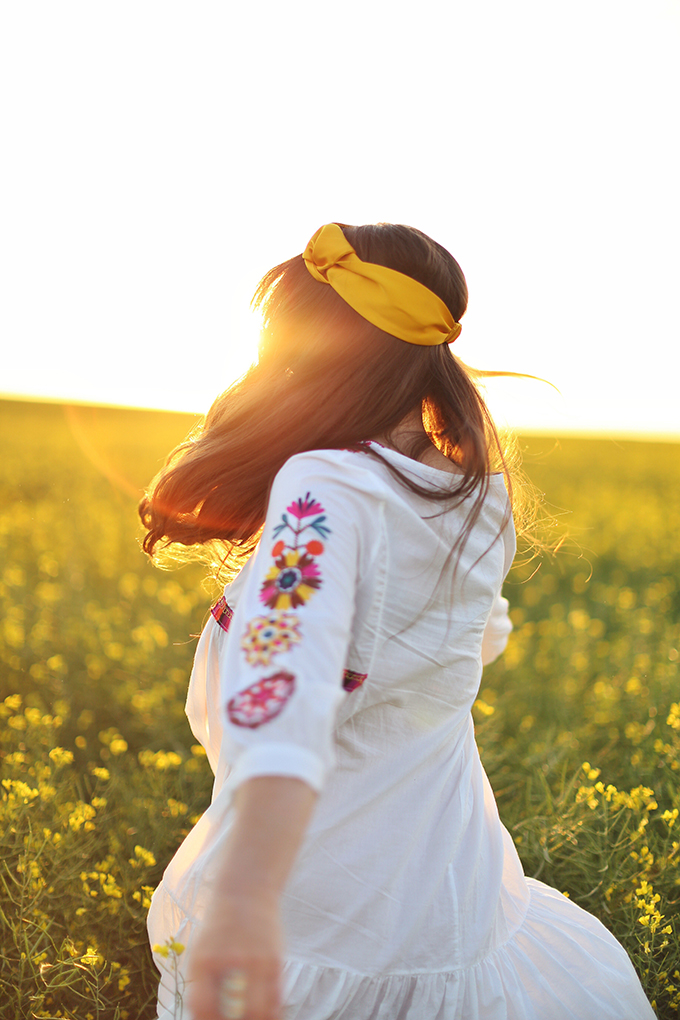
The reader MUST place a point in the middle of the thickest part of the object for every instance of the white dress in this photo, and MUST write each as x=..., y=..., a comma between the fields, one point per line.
x=348, y=653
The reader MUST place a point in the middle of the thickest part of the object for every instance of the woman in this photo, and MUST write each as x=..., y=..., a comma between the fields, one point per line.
x=352, y=863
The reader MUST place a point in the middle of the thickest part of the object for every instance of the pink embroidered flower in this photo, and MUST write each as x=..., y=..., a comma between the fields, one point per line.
x=291, y=581
x=262, y=701
x=304, y=507
x=307, y=513
x=268, y=635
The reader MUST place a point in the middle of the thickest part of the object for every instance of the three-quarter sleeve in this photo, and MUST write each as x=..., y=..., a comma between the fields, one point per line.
x=282, y=665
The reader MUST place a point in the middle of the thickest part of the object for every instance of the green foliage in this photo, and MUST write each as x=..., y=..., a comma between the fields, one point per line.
x=100, y=777
x=591, y=675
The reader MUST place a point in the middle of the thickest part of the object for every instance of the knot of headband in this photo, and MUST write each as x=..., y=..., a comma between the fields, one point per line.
x=384, y=297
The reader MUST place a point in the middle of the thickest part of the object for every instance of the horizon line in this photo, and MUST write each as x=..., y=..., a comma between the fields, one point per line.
x=532, y=430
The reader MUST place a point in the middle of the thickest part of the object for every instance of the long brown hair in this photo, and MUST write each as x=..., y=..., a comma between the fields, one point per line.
x=325, y=378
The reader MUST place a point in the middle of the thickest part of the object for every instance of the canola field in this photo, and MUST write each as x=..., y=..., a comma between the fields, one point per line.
x=579, y=721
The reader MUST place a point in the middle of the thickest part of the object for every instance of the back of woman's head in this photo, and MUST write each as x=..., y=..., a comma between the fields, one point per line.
x=325, y=378
x=302, y=317
x=368, y=379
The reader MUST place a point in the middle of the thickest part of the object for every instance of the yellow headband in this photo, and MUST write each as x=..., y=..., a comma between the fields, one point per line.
x=390, y=300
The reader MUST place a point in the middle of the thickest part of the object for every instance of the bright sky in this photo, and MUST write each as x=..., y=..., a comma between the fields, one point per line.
x=160, y=156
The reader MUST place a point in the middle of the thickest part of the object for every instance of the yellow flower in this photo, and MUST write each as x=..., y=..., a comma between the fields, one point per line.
x=142, y=857
x=673, y=719
x=109, y=887
x=586, y=794
x=483, y=707
x=81, y=817
x=92, y=957
x=143, y=896
x=160, y=760
x=20, y=790
x=176, y=807
x=60, y=756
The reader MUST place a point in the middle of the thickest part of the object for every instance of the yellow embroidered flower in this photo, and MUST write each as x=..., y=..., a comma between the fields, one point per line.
x=291, y=581
x=268, y=635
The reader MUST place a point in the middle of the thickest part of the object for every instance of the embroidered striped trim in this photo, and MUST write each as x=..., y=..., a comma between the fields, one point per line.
x=351, y=680
x=222, y=612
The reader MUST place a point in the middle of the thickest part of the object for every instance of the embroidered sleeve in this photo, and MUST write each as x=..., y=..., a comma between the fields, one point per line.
x=283, y=674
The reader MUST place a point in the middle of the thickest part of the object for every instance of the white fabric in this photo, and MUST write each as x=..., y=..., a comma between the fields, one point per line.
x=408, y=901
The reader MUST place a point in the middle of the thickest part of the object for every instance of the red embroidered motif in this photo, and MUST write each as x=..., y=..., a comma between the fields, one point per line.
x=352, y=680
x=262, y=701
x=222, y=612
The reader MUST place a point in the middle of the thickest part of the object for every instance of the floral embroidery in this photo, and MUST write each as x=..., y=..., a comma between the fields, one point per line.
x=223, y=613
x=262, y=701
x=291, y=581
x=295, y=575
x=268, y=635
x=352, y=680
x=305, y=507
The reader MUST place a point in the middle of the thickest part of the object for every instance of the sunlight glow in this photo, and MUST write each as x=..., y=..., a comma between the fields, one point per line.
x=147, y=204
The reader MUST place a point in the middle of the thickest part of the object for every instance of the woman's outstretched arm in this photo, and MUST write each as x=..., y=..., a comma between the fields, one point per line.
x=280, y=690
x=241, y=936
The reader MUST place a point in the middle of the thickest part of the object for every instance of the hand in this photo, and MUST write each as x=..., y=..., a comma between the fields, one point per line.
x=240, y=938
